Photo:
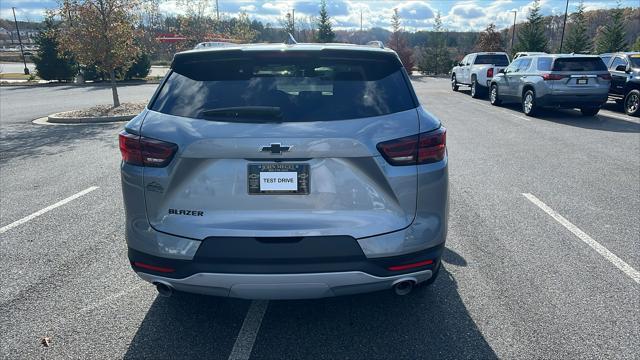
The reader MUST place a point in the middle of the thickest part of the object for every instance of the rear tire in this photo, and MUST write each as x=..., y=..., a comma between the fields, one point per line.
x=493, y=95
x=589, y=111
x=529, y=106
x=475, y=91
x=454, y=83
x=632, y=103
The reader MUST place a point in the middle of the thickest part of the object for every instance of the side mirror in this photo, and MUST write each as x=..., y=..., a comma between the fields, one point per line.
x=621, y=68
x=502, y=71
x=460, y=64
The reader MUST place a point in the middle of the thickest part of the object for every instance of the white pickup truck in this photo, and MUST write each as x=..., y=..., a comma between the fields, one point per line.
x=476, y=70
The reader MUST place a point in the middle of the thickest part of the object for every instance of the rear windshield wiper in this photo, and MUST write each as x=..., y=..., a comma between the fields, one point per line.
x=245, y=113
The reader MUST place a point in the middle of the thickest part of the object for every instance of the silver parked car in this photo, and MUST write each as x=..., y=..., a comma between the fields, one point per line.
x=565, y=81
x=285, y=171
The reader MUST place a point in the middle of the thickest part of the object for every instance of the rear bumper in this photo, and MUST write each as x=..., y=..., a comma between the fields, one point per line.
x=284, y=286
x=572, y=101
x=293, y=278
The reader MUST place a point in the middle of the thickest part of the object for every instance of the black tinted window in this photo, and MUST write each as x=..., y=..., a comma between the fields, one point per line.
x=544, y=63
x=579, y=64
x=498, y=60
x=617, y=61
x=289, y=87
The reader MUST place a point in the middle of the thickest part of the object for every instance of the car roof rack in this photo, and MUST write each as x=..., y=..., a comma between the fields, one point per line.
x=376, y=43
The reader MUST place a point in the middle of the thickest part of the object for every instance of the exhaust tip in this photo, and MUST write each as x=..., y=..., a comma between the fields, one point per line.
x=403, y=287
x=164, y=289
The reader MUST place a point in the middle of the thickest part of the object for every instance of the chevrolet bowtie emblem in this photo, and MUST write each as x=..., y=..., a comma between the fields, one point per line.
x=275, y=148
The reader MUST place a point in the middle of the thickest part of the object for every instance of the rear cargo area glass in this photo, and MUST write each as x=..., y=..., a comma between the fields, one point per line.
x=579, y=64
x=285, y=87
x=498, y=60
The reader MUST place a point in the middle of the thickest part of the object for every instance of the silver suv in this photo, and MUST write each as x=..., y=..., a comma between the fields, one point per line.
x=285, y=171
x=565, y=81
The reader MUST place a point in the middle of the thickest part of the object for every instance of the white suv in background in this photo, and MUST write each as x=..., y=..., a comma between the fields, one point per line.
x=476, y=70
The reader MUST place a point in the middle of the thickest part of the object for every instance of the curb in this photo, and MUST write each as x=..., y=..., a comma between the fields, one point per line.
x=57, y=119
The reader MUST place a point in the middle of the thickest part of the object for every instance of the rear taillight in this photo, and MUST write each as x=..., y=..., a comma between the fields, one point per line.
x=490, y=72
x=553, y=76
x=605, y=76
x=422, y=148
x=142, y=151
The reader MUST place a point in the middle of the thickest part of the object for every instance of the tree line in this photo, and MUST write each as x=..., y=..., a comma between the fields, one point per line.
x=117, y=39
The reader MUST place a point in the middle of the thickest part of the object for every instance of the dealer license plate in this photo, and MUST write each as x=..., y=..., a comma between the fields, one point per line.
x=278, y=178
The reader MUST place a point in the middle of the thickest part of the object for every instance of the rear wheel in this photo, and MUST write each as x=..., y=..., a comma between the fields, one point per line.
x=632, y=103
x=454, y=83
x=529, y=106
x=589, y=111
x=475, y=91
x=493, y=95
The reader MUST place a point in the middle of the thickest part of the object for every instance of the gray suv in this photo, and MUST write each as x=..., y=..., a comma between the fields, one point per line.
x=275, y=171
x=561, y=81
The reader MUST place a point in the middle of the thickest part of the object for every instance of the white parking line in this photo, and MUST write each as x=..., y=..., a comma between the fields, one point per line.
x=611, y=257
x=249, y=331
x=616, y=116
x=45, y=210
x=108, y=299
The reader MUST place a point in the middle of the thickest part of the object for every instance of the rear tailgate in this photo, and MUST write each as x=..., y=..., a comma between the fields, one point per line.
x=344, y=186
x=580, y=76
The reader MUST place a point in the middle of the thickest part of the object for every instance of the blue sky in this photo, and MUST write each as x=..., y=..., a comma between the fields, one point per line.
x=416, y=15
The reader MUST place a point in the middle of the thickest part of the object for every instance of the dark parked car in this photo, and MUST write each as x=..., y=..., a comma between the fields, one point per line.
x=625, y=80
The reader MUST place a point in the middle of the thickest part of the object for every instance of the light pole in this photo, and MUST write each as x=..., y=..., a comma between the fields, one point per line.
x=513, y=34
x=564, y=24
x=26, y=70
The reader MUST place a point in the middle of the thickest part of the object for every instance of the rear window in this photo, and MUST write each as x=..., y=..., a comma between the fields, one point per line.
x=497, y=59
x=579, y=64
x=285, y=87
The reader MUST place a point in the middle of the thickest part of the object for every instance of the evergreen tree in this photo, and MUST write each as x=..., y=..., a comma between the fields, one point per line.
x=636, y=45
x=577, y=40
x=611, y=36
x=398, y=42
x=140, y=68
x=51, y=62
x=325, y=33
x=435, y=59
x=489, y=40
x=531, y=36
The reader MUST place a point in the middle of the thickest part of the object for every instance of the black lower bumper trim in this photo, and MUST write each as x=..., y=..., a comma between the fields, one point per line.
x=216, y=259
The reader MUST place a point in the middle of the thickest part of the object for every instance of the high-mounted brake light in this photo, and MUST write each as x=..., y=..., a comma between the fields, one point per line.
x=424, y=148
x=490, y=72
x=553, y=76
x=142, y=151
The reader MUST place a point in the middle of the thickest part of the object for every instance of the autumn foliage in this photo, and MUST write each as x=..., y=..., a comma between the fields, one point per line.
x=101, y=33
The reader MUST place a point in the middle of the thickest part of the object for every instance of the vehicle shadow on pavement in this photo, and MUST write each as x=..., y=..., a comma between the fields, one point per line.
x=187, y=326
x=431, y=322
x=27, y=140
x=573, y=117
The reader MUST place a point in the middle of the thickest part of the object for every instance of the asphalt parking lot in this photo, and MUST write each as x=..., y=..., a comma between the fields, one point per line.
x=542, y=255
